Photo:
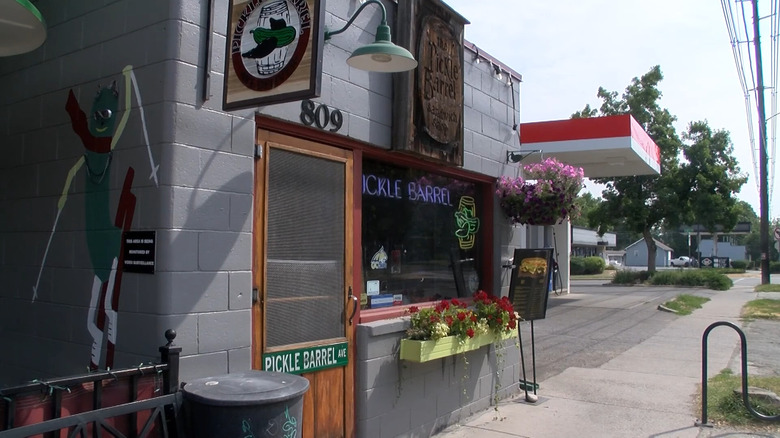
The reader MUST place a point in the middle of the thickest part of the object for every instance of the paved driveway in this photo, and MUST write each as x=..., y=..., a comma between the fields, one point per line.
x=593, y=324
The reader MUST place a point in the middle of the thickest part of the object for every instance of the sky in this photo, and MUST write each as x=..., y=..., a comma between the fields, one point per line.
x=566, y=49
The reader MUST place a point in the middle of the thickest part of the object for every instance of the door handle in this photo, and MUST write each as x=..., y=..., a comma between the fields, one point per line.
x=354, y=305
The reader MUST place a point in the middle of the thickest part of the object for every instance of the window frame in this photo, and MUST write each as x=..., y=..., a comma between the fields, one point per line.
x=485, y=187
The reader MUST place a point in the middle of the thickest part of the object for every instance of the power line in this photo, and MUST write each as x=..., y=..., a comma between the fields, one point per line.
x=740, y=34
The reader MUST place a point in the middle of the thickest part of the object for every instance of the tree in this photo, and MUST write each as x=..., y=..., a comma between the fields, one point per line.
x=641, y=203
x=709, y=178
x=585, y=204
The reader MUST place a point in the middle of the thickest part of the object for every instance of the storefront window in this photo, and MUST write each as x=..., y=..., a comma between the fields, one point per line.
x=421, y=236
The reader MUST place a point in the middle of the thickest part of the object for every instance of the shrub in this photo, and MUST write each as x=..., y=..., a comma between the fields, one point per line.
x=577, y=265
x=696, y=277
x=587, y=265
x=718, y=281
x=594, y=265
x=739, y=264
x=774, y=267
x=626, y=276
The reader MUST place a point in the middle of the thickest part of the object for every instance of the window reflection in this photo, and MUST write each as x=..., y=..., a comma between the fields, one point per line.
x=421, y=236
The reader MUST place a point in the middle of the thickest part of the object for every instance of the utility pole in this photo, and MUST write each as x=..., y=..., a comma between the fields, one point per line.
x=763, y=195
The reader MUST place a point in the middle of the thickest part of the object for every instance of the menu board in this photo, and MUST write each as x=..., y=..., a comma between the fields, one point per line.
x=530, y=283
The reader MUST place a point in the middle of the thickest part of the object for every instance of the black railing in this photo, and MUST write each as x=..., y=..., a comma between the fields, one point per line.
x=163, y=405
x=745, y=398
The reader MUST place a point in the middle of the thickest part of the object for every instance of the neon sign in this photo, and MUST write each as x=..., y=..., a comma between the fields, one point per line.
x=383, y=187
x=467, y=222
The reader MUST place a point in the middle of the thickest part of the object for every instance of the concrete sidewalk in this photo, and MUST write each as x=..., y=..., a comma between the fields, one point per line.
x=647, y=391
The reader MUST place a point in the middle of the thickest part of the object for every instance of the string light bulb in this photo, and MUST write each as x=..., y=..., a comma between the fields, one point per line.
x=497, y=71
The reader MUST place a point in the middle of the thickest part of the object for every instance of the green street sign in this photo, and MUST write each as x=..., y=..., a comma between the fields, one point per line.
x=306, y=360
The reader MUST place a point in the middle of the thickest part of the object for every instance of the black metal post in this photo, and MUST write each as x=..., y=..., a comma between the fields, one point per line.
x=533, y=354
x=169, y=354
x=745, y=398
x=522, y=360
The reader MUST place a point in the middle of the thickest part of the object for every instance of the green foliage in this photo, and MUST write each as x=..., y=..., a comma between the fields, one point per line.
x=692, y=277
x=640, y=203
x=769, y=287
x=625, y=276
x=587, y=265
x=686, y=304
x=739, y=264
x=725, y=407
x=698, y=191
x=762, y=309
x=774, y=267
x=709, y=278
x=710, y=178
x=585, y=204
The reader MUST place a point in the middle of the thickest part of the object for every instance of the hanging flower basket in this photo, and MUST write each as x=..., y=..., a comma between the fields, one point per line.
x=424, y=351
x=545, y=198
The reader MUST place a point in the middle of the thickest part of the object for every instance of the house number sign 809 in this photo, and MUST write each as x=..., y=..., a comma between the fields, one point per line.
x=321, y=116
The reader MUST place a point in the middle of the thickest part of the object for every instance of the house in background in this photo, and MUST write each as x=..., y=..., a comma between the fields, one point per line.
x=587, y=243
x=725, y=249
x=636, y=254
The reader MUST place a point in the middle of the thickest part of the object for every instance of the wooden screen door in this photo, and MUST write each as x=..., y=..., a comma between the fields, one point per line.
x=302, y=317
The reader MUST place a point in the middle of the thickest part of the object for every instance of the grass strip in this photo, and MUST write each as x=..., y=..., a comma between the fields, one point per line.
x=762, y=309
x=768, y=288
x=726, y=407
x=686, y=304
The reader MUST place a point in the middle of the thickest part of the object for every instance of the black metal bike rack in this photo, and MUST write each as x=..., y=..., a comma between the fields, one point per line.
x=745, y=398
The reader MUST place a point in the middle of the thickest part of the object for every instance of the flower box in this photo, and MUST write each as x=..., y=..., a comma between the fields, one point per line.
x=424, y=351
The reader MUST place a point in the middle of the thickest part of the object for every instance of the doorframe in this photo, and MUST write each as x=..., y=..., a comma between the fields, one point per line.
x=263, y=139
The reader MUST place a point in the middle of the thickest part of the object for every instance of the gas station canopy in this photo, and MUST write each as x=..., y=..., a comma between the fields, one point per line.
x=609, y=146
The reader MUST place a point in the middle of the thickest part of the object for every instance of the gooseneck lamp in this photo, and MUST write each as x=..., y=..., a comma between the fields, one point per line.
x=381, y=55
x=22, y=27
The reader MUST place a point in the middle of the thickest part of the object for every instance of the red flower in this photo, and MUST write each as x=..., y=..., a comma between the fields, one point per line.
x=512, y=324
x=473, y=318
x=414, y=309
x=470, y=333
x=449, y=320
x=461, y=316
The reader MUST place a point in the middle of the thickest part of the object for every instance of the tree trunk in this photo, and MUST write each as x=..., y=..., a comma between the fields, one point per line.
x=651, y=250
x=715, y=244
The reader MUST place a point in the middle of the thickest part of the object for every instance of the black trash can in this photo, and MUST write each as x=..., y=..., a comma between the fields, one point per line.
x=251, y=404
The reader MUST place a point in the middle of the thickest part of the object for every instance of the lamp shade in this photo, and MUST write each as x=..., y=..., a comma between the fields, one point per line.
x=22, y=27
x=382, y=55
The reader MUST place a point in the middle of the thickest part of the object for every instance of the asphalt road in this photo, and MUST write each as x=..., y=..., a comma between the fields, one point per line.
x=593, y=324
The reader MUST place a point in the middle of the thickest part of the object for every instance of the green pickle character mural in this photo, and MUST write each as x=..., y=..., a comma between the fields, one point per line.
x=99, y=132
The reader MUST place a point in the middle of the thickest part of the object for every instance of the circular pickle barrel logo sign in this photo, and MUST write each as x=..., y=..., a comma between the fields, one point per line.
x=269, y=42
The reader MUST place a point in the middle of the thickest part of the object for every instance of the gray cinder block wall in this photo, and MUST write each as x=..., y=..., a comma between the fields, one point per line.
x=201, y=205
x=398, y=398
